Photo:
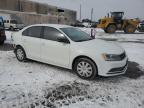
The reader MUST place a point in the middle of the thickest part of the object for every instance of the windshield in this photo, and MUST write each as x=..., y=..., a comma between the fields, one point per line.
x=76, y=35
x=116, y=14
x=13, y=22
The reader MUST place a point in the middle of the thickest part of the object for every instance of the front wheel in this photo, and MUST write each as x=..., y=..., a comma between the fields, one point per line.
x=110, y=29
x=20, y=54
x=85, y=68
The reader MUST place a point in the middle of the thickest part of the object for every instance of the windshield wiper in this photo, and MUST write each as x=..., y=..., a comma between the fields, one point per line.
x=84, y=40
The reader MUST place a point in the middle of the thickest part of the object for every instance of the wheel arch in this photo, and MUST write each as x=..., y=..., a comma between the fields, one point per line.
x=83, y=56
x=11, y=26
x=111, y=24
x=16, y=46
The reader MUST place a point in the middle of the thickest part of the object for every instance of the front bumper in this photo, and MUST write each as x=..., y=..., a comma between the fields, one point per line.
x=119, y=70
x=113, y=68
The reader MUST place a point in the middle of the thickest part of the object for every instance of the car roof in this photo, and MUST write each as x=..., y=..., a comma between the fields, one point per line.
x=53, y=25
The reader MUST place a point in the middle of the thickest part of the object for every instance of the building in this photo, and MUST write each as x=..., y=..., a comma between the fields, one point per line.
x=33, y=12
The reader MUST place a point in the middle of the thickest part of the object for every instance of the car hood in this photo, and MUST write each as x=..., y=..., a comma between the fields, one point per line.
x=102, y=46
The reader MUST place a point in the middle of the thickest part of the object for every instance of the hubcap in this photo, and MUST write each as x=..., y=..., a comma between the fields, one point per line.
x=130, y=30
x=20, y=54
x=111, y=29
x=84, y=69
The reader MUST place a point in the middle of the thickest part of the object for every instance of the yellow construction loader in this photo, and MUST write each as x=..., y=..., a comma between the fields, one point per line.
x=115, y=21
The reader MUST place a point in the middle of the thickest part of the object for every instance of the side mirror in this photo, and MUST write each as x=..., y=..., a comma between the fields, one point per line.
x=63, y=40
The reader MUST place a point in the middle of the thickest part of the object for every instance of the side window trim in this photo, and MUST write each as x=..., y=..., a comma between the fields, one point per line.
x=27, y=32
x=42, y=32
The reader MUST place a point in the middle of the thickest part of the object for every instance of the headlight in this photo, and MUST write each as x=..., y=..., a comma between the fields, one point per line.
x=111, y=57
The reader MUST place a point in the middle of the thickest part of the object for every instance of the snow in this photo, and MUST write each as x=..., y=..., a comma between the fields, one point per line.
x=135, y=52
x=8, y=36
x=25, y=84
x=119, y=36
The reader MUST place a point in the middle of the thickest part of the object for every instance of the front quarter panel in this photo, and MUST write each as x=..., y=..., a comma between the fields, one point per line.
x=79, y=52
x=96, y=55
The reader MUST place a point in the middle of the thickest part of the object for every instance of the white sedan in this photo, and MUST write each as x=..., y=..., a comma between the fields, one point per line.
x=71, y=48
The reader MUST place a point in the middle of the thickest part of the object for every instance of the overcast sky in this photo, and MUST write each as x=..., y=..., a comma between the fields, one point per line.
x=132, y=8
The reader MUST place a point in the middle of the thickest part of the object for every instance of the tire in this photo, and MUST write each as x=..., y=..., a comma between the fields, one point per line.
x=130, y=29
x=11, y=28
x=105, y=31
x=111, y=28
x=85, y=68
x=1, y=42
x=20, y=54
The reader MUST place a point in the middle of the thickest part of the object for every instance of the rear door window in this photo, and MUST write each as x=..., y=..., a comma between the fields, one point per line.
x=34, y=31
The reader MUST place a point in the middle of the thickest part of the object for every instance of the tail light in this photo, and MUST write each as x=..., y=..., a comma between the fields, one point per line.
x=2, y=33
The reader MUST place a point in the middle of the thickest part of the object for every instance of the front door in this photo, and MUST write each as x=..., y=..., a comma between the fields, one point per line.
x=54, y=52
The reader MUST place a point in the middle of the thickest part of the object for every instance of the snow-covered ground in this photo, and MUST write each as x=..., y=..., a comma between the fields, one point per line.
x=118, y=36
x=36, y=85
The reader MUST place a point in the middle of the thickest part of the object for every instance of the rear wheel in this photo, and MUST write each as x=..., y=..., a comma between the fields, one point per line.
x=85, y=68
x=110, y=29
x=130, y=29
x=20, y=54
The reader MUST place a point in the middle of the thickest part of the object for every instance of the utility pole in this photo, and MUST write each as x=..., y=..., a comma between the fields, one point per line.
x=80, y=12
x=19, y=5
x=92, y=14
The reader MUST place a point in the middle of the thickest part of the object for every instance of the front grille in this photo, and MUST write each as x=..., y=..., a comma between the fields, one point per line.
x=118, y=70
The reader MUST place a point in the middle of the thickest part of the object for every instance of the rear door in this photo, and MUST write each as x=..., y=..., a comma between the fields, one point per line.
x=54, y=52
x=31, y=41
